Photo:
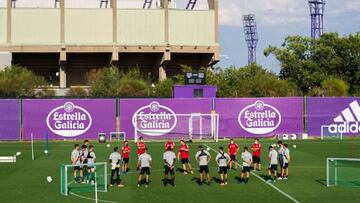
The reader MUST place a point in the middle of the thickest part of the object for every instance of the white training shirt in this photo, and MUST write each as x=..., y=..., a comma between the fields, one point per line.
x=91, y=157
x=282, y=150
x=170, y=157
x=286, y=154
x=246, y=157
x=84, y=155
x=115, y=157
x=144, y=160
x=75, y=154
x=202, y=156
x=273, y=155
x=222, y=159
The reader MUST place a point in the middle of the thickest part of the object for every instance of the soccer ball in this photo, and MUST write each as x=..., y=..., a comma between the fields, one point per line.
x=49, y=179
x=294, y=146
x=108, y=145
x=46, y=151
x=208, y=149
x=18, y=153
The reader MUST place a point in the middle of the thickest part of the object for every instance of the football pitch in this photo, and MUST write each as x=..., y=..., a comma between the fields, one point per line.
x=25, y=180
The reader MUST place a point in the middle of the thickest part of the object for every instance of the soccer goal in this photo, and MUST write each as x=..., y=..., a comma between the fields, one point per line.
x=117, y=136
x=91, y=182
x=194, y=126
x=326, y=134
x=343, y=172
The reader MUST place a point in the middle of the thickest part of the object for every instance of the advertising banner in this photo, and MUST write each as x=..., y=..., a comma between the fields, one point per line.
x=68, y=119
x=333, y=116
x=9, y=120
x=259, y=117
x=165, y=118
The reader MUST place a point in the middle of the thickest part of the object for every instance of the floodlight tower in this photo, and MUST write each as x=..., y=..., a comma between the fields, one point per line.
x=251, y=36
x=317, y=8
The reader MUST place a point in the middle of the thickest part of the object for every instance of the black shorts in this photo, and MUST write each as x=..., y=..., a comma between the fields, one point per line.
x=285, y=165
x=169, y=170
x=126, y=160
x=77, y=168
x=185, y=161
x=233, y=157
x=144, y=170
x=256, y=160
x=223, y=169
x=204, y=169
x=281, y=162
x=273, y=168
x=245, y=169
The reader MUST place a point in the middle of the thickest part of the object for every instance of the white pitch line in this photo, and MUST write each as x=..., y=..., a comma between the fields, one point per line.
x=92, y=199
x=271, y=185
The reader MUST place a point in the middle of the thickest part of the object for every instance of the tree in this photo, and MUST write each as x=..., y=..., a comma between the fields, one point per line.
x=164, y=88
x=77, y=92
x=110, y=82
x=308, y=62
x=16, y=81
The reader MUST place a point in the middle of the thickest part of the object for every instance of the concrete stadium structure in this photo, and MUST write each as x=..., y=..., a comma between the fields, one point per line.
x=65, y=42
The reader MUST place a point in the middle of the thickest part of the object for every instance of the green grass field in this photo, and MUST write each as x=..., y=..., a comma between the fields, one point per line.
x=25, y=180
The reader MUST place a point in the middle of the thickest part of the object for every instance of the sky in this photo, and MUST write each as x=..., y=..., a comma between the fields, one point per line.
x=277, y=19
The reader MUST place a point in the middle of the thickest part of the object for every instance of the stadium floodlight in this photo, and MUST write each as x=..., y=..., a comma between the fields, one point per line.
x=68, y=184
x=342, y=172
x=317, y=8
x=191, y=4
x=194, y=126
x=251, y=36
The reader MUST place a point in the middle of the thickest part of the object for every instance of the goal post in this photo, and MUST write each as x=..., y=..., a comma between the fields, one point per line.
x=70, y=184
x=343, y=172
x=193, y=126
x=327, y=134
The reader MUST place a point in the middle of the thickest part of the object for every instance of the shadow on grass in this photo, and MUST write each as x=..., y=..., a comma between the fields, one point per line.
x=321, y=181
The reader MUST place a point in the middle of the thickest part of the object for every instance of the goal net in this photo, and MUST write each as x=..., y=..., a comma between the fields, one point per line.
x=343, y=172
x=327, y=134
x=117, y=136
x=94, y=178
x=195, y=126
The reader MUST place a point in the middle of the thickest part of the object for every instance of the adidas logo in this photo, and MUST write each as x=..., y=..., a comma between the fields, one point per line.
x=351, y=114
x=348, y=122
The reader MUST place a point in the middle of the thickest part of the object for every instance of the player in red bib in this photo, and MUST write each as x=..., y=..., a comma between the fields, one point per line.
x=183, y=155
x=125, y=152
x=170, y=144
x=233, y=149
x=256, y=148
x=141, y=146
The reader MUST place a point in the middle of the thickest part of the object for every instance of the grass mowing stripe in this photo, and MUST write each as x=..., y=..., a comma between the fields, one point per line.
x=257, y=176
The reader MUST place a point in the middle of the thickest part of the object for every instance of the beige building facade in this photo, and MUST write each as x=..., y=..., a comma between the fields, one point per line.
x=64, y=44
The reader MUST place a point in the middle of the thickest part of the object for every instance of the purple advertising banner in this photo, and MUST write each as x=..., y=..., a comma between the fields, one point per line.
x=164, y=118
x=333, y=116
x=9, y=119
x=259, y=117
x=68, y=119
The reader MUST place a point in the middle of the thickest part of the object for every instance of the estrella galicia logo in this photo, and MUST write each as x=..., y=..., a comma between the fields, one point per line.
x=69, y=120
x=154, y=119
x=259, y=118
